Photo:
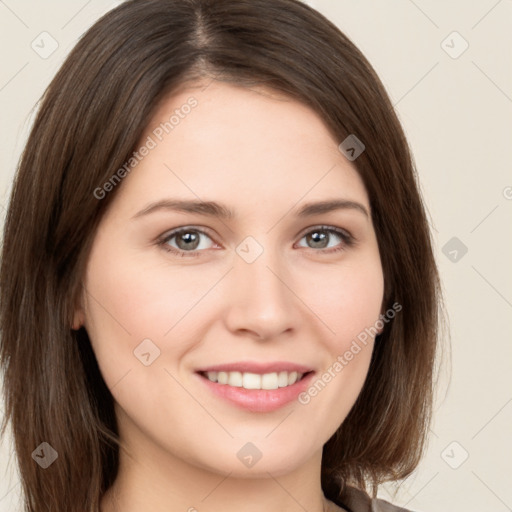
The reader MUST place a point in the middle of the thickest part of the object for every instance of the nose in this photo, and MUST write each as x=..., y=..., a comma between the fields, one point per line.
x=260, y=298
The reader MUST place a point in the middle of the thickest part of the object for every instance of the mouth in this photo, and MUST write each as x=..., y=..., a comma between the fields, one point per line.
x=254, y=387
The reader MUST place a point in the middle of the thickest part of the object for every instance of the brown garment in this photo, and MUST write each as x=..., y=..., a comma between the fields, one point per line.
x=356, y=500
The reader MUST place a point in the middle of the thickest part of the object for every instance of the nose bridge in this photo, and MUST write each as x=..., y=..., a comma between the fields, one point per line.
x=262, y=301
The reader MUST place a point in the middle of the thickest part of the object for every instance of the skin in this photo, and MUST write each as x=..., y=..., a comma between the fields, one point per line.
x=263, y=155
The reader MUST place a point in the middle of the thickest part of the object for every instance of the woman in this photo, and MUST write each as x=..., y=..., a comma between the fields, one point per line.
x=218, y=290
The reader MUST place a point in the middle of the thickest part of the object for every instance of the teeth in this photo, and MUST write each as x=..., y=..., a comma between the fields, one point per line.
x=255, y=380
x=251, y=381
x=235, y=379
x=222, y=378
x=269, y=381
x=282, y=379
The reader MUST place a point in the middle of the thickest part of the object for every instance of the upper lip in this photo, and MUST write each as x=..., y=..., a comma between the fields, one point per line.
x=256, y=367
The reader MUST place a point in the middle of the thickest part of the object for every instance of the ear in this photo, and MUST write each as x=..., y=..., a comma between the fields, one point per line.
x=78, y=320
x=78, y=316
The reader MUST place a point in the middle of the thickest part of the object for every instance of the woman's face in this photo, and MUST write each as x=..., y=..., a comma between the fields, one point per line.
x=252, y=297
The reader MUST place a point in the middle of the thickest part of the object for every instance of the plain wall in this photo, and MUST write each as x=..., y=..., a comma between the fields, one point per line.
x=456, y=111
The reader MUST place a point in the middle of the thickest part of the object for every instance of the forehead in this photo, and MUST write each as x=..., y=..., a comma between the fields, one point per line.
x=241, y=144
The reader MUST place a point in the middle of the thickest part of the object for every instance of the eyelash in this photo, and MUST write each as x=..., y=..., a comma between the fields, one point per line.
x=347, y=238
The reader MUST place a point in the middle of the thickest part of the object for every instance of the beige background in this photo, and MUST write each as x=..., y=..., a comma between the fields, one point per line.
x=456, y=110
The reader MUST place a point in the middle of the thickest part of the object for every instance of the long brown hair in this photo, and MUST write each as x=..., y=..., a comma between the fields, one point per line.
x=90, y=121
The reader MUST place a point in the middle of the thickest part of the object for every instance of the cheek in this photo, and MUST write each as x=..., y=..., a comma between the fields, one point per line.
x=347, y=299
x=349, y=303
x=131, y=299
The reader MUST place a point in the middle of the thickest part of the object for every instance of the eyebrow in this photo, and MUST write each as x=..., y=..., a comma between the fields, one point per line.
x=214, y=209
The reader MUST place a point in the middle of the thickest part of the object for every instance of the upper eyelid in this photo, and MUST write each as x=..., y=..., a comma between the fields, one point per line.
x=325, y=227
x=173, y=232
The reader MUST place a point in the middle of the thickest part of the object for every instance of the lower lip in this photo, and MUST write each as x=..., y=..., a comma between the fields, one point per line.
x=258, y=400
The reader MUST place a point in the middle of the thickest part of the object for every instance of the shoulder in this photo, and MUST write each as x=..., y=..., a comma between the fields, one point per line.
x=356, y=500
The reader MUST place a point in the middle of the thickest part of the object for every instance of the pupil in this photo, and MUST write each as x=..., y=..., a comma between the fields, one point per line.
x=190, y=239
x=318, y=238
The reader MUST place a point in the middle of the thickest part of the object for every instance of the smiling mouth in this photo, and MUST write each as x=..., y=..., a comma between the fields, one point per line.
x=248, y=380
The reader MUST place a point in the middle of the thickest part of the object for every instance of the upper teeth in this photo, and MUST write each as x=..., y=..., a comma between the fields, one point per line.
x=255, y=380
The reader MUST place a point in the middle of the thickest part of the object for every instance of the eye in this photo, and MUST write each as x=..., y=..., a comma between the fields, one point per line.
x=190, y=241
x=321, y=237
x=185, y=241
